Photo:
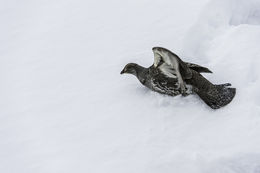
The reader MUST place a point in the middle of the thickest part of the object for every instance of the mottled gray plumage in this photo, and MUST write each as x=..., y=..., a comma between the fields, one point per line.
x=154, y=79
x=215, y=96
x=162, y=77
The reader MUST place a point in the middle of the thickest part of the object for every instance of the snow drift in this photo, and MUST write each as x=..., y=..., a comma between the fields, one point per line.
x=65, y=108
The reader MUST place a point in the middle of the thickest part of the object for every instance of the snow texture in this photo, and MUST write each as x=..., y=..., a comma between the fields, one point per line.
x=65, y=108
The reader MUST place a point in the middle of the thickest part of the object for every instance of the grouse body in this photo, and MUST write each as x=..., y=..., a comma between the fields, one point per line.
x=154, y=79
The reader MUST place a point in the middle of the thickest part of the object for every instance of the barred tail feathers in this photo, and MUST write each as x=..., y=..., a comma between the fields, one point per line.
x=221, y=96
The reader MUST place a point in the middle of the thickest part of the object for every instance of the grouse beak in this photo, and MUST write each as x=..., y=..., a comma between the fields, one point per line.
x=123, y=71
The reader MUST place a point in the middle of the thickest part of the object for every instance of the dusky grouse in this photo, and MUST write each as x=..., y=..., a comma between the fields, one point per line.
x=172, y=76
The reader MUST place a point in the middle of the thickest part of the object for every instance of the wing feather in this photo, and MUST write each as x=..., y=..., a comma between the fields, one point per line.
x=167, y=70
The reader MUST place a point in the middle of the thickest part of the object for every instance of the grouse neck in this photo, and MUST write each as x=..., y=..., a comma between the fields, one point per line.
x=139, y=70
x=141, y=73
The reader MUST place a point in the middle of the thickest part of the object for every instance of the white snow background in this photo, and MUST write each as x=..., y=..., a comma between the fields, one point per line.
x=65, y=108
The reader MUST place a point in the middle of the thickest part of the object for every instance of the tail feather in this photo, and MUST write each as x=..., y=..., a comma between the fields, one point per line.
x=215, y=96
x=219, y=97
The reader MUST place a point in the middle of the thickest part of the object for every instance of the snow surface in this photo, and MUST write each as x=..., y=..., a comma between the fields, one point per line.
x=64, y=107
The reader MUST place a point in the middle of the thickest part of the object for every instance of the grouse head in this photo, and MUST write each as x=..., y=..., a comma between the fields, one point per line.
x=130, y=68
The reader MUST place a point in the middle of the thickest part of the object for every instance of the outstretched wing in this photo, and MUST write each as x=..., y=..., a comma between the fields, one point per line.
x=171, y=66
x=170, y=63
x=198, y=68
